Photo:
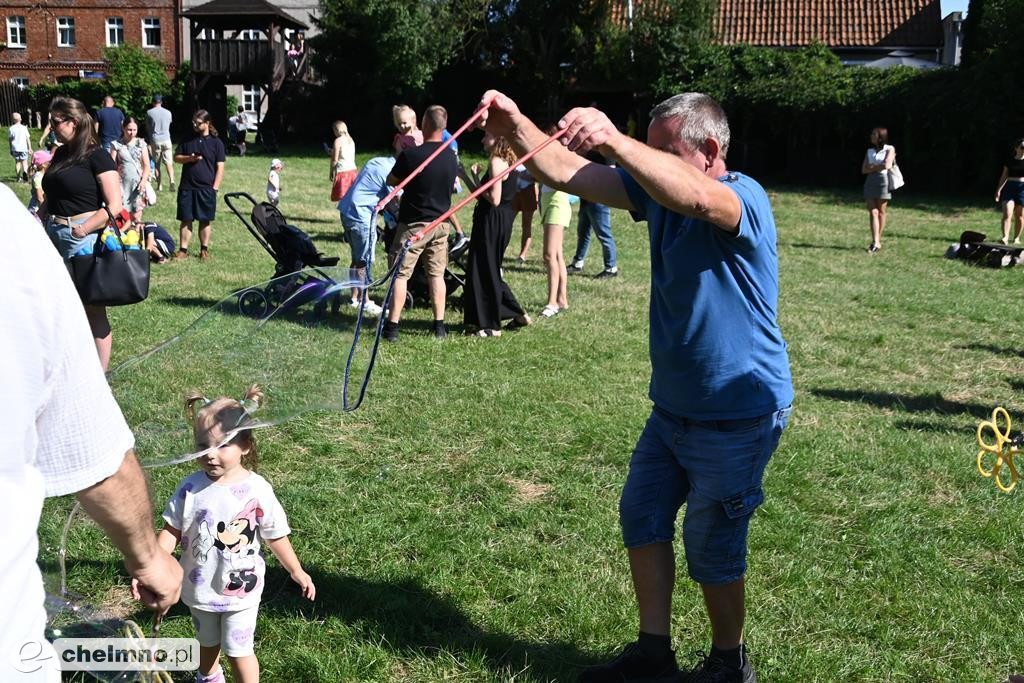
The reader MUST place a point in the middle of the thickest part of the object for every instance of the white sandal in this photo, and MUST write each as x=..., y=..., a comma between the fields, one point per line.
x=550, y=311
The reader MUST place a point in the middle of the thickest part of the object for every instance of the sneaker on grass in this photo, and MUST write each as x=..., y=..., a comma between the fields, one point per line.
x=632, y=665
x=371, y=309
x=713, y=669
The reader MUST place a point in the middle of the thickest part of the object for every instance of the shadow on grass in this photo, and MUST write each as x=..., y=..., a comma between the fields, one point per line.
x=413, y=619
x=992, y=348
x=314, y=219
x=945, y=206
x=808, y=245
x=921, y=403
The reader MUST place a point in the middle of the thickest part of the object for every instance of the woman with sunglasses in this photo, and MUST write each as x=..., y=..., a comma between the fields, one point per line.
x=80, y=180
x=1010, y=192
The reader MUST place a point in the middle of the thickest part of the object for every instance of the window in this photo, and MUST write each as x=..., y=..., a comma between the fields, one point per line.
x=20, y=81
x=65, y=31
x=16, y=32
x=151, y=32
x=250, y=34
x=115, y=31
x=251, y=98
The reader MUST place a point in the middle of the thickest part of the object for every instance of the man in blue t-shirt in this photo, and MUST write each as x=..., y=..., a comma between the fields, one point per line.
x=720, y=379
x=109, y=121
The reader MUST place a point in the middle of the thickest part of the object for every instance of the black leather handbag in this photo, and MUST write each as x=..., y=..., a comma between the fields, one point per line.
x=109, y=277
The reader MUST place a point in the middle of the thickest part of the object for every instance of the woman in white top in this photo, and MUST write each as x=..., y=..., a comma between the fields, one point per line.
x=343, y=161
x=877, y=162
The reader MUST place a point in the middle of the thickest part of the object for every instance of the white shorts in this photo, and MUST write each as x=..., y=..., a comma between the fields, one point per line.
x=234, y=631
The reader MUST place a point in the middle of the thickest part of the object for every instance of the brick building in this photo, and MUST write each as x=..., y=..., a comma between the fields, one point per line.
x=47, y=41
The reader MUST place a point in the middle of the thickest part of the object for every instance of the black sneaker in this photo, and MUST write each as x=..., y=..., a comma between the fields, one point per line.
x=714, y=670
x=633, y=666
x=574, y=268
x=440, y=331
x=607, y=273
x=390, y=331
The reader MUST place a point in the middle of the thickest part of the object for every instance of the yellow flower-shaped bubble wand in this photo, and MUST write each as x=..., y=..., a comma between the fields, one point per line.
x=1002, y=448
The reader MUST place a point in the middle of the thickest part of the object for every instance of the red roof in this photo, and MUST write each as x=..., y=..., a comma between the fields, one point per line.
x=834, y=23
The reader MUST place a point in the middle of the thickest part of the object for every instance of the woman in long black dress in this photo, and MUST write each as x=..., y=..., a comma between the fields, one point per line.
x=487, y=299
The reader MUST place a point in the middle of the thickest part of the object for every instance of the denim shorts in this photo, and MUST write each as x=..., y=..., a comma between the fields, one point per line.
x=361, y=239
x=67, y=244
x=713, y=466
x=1013, y=191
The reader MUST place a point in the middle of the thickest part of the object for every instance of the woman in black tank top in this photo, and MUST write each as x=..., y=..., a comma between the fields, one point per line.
x=1010, y=192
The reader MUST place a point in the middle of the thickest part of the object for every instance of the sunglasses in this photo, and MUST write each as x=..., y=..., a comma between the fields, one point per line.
x=56, y=122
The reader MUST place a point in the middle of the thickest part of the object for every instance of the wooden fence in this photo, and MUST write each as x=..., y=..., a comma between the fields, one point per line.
x=14, y=99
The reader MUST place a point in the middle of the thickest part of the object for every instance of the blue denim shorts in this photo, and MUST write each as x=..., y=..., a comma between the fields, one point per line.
x=361, y=238
x=1013, y=191
x=713, y=466
x=67, y=244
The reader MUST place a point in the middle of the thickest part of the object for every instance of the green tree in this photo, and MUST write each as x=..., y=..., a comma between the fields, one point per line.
x=133, y=77
x=390, y=48
x=990, y=32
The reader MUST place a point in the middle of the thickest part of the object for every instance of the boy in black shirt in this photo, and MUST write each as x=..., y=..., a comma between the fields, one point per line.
x=202, y=171
x=426, y=197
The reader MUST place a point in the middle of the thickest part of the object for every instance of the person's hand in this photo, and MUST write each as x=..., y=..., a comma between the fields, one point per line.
x=305, y=583
x=475, y=169
x=586, y=128
x=157, y=584
x=501, y=115
x=997, y=197
x=195, y=158
x=78, y=231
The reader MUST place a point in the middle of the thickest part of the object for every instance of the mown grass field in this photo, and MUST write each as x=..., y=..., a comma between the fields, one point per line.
x=462, y=525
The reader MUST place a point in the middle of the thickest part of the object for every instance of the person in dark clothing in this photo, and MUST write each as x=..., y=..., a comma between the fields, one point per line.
x=202, y=160
x=488, y=299
x=80, y=180
x=109, y=122
x=427, y=197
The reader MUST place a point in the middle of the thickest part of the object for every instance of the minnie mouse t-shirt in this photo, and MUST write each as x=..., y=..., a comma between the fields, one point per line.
x=221, y=528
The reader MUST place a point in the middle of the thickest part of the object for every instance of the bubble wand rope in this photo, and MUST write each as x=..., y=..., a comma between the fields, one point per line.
x=445, y=145
x=480, y=190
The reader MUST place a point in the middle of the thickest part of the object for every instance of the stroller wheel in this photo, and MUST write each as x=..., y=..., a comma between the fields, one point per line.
x=253, y=303
x=410, y=301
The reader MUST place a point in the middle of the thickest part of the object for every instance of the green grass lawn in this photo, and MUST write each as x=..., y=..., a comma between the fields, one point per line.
x=462, y=525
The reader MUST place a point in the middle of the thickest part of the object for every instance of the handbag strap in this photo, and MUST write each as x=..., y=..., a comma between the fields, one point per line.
x=113, y=224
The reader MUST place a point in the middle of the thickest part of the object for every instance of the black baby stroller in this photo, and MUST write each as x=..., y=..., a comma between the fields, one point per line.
x=418, y=288
x=292, y=251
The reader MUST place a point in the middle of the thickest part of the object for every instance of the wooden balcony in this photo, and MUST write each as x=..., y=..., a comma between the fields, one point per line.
x=247, y=60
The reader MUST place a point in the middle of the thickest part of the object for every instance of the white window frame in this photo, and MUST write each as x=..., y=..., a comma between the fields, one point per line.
x=250, y=34
x=66, y=24
x=20, y=81
x=154, y=24
x=16, y=26
x=114, y=26
x=252, y=94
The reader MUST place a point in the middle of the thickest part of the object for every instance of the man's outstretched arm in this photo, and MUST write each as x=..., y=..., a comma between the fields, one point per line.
x=555, y=165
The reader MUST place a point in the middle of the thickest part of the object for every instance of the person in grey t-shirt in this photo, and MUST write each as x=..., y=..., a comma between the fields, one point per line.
x=161, y=151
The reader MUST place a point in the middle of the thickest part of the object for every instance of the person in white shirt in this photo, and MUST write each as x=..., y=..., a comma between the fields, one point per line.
x=62, y=433
x=274, y=182
x=21, y=147
x=221, y=515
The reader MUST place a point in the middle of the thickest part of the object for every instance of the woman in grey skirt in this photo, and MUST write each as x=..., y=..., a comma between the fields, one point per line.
x=877, y=162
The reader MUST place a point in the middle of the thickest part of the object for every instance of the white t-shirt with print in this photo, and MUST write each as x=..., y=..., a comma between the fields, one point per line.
x=62, y=430
x=273, y=186
x=222, y=526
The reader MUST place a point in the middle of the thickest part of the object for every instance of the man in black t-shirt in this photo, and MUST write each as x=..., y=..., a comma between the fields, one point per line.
x=426, y=197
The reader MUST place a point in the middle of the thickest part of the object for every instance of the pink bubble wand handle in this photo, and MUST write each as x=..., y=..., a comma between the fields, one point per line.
x=447, y=143
x=483, y=188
